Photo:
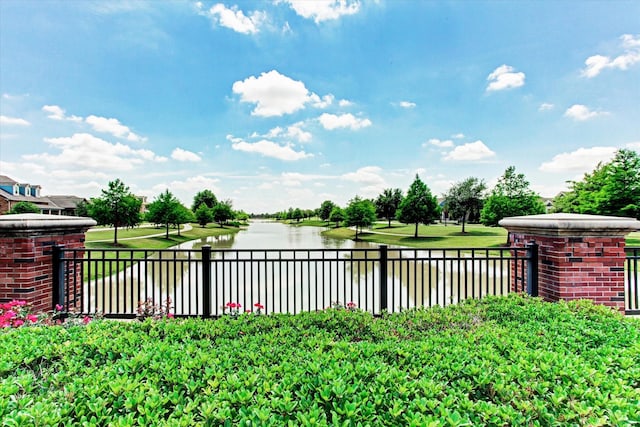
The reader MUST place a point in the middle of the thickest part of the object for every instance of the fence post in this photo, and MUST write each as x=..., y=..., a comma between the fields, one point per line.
x=58, y=283
x=532, y=268
x=206, y=281
x=383, y=277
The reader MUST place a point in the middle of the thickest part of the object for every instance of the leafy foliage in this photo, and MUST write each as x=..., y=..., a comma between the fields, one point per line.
x=501, y=361
x=387, y=203
x=610, y=189
x=418, y=206
x=337, y=215
x=203, y=215
x=24, y=207
x=325, y=210
x=116, y=207
x=464, y=199
x=222, y=212
x=204, y=197
x=166, y=209
x=360, y=213
x=510, y=197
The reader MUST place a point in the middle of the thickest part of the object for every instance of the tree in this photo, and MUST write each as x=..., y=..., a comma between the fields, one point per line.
x=183, y=216
x=464, y=199
x=116, y=207
x=24, y=207
x=510, y=197
x=325, y=210
x=387, y=203
x=360, y=213
x=204, y=197
x=418, y=206
x=297, y=214
x=222, y=212
x=82, y=208
x=337, y=215
x=203, y=215
x=165, y=210
x=612, y=188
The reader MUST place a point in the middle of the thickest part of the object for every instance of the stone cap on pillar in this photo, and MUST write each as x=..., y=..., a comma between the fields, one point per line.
x=569, y=224
x=38, y=224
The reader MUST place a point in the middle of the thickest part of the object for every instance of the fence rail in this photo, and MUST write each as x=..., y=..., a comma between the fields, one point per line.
x=632, y=284
x=200, y=282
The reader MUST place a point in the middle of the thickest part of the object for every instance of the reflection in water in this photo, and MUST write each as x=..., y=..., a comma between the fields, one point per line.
x=272, y=264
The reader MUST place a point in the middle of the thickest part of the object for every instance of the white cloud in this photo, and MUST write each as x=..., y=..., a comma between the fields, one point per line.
x=113, y=127
x=13, y=121
x=471, y=151
x=268, y=149
x=58, y=113
x=457, y=135
x=581, y=113
x=407, y=104
x=83, y=151
x=631, y=55
x=345, y=103
x=503, y=77
x=185, y=189
x=633, y=145
x=545, y=106
x=439, y=143
x=185, y=156
x=324, y=10
x=348, y=120
x=295, y=131
x=234, y=18
x=273, y=93
x=369, y=178
x=582, y=159
x=323, y=102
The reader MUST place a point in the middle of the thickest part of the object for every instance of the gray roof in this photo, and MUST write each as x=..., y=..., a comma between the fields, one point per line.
x=65, y=202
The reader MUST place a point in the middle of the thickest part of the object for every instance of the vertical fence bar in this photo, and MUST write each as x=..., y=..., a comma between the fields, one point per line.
x=384, y=255
x=57, y=296
x=206, y=281
x=532, y=268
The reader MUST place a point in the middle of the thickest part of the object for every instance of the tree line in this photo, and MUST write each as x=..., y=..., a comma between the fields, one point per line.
x=118, y=207
x=613, y=188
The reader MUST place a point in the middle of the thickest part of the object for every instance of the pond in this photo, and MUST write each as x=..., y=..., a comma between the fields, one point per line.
x=292, y=269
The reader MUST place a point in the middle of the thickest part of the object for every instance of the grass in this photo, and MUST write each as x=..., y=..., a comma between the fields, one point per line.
x=104, y=240
x=432, y=236
x=633, y=239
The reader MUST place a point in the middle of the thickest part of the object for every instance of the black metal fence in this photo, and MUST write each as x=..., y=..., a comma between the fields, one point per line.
x=205, y=282
x=632, y=284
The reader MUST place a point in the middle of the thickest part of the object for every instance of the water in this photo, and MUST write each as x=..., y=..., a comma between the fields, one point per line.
x=292, y=269
x=275, y=235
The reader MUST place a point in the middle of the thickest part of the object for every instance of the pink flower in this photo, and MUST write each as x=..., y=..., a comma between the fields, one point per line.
x=18, y=302
x=59, y=307
x=86, y=319
x=32, y=318
x=170, y=315
x=18, y=322
x=247, y=311
x=258, y=306
x=351, y=304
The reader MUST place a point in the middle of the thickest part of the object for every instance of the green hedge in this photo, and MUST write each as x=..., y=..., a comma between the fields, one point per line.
x=501, y=361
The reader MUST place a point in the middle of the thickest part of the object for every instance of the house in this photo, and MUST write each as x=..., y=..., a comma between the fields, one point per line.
x=12, y=192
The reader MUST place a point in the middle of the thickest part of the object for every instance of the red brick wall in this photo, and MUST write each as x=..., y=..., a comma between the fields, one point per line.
x=579, y=267
x=26, y=268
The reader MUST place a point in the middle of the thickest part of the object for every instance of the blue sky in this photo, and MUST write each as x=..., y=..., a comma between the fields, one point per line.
x=286, y=103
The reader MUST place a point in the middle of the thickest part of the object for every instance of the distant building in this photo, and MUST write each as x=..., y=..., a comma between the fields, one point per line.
x=12, y=192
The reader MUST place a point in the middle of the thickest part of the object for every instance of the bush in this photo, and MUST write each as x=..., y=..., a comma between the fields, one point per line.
x=501, y=361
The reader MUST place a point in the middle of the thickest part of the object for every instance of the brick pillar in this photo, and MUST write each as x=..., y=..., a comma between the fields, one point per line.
x=26, y=242
x=579, y=256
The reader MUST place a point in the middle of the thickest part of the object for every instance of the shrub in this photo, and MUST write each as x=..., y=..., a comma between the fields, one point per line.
x=502, y=361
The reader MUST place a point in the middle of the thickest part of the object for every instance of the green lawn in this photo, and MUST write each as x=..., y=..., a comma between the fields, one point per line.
x=432, y=236
x=152, y=243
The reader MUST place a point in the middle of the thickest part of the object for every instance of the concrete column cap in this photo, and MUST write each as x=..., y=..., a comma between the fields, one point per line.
x=35, y=224
x=571, y=225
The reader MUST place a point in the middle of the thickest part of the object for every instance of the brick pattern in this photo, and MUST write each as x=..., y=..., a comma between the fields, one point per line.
x=579, y=267
x=26, y=269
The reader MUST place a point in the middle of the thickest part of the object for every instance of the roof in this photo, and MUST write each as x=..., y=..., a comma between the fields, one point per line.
x=6, y=180
x=65, y=202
